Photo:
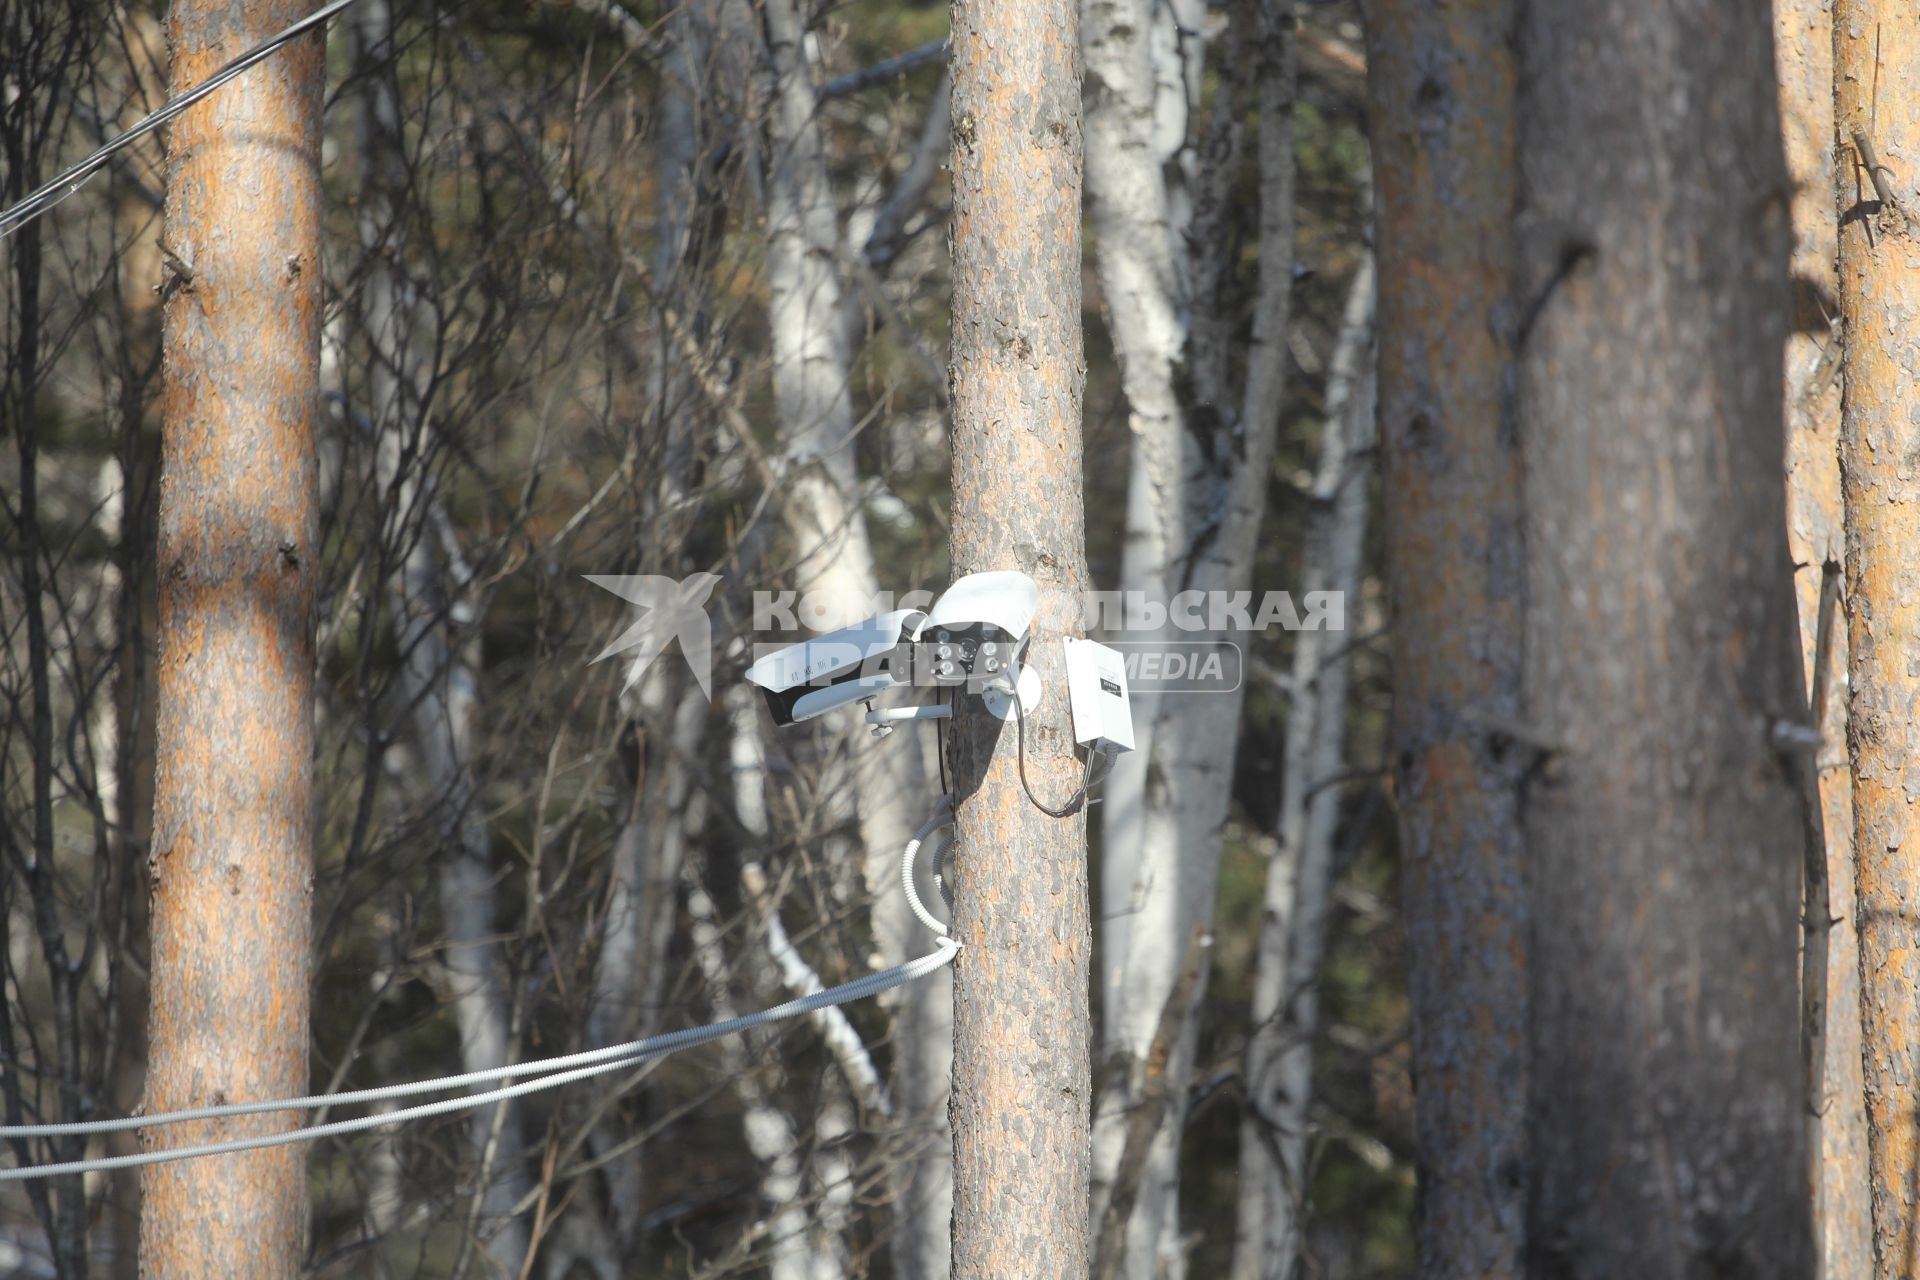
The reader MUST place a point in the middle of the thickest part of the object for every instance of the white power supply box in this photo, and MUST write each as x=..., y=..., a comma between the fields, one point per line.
x=1097, y=693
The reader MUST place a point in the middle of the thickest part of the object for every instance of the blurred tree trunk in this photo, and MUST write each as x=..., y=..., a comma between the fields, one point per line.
x=1201, y=450
x=631, y=971
x=1803, y=30
x=1155, y=885
x=821, y=503
x=57, y=1051
x=768, y=1129
x=1021, y=1037
x=630, y=968
x=1441, y=86
x=239, y=548
x=137, y=242
x=46, y=49
x=1293, y=930
x=1594, y=659
x=1663, y=810
x=803, y=1243
x=1876, y=78
x=438, y=678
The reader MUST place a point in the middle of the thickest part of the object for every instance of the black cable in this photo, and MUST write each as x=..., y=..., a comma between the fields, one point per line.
x=940, y=742
x=49, y=194
x=1079, y=798
x=1097, y=776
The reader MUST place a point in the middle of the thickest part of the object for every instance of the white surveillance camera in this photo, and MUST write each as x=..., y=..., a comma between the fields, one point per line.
x=1005, y=599
x=978, y=628
x=852, y=664
x=974, y=637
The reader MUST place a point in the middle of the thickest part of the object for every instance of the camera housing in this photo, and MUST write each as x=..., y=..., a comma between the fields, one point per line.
x=973, y=637
x=976, y=631
x=1003, y=599
x=830, y=671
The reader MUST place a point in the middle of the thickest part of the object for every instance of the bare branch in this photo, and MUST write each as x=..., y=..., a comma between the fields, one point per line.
x=799, y=977
x=1154, y=1095
x=854, y=81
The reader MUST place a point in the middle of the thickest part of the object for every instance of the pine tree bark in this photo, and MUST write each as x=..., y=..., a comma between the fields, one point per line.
x=239, y=546
x=1586, y=511
x=1803, y=31
x=1021, y=1021
x=1876, y=65
x=1663, y=812
x=1443, y=125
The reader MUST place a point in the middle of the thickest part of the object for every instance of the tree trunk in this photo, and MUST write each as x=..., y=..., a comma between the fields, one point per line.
x=1021, y=1036
x=45, y=48
x=1202, y=448
x=874, y=781
x=1815, y=536
x=1663, y=811
x=1155, y=886
x=630, y=969
x=438, y=678
x=767, y=1128
x=239, y=548
x=1876, y=77
x=133, y=749
x=1593, y=658
x=1441, y=87
x=1293, y=933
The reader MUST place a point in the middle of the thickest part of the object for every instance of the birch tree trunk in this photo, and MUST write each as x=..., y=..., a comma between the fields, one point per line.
x=1196, y=496
x=1663, y=811
x=636, y=933
x=1153, y=891
x=437, y=677
x=768, y=1130
x=232, y=852
x=642, y=900
x=1021, y=1037
x=1286, y=1001
x=1816, y=536
x=1876, y=78
x=878, y=778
